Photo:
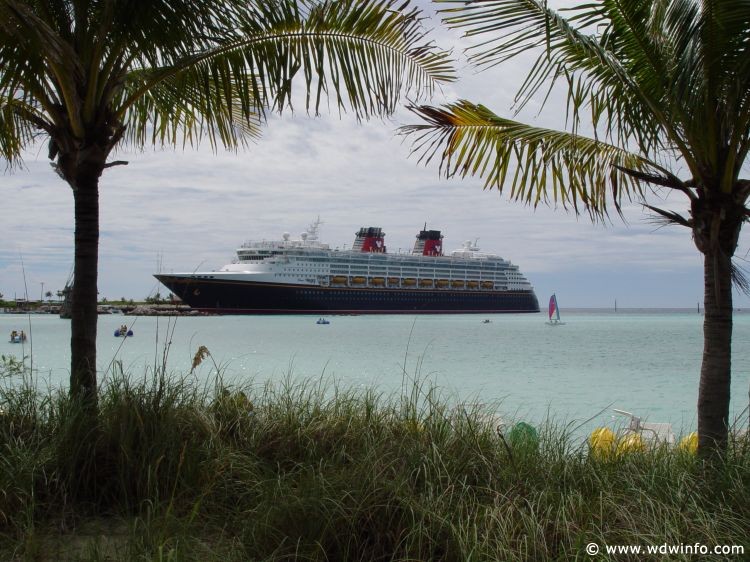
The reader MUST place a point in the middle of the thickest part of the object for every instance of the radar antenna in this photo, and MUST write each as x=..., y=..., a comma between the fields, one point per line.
x=312, y=230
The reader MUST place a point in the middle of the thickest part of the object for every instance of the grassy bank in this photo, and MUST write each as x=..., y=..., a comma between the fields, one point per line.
x=179, y=471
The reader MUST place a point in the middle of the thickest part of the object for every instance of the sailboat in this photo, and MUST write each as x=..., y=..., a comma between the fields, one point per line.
x=554, y=312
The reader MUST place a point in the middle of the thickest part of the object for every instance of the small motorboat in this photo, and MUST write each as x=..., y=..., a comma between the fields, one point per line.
x=123, y=332
x=17, y=336
x=322, y=321
x=486, y=321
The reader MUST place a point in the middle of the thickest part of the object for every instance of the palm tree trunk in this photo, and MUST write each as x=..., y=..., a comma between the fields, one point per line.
x=714, y=392
x=84, y=295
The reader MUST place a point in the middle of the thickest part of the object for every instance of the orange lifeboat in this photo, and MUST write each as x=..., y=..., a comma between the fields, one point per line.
x=442, y=283
x=425, y=282
x=457, y=284
x=409, y=282
x=487, y=285
x=377, y=281
x=358, y=280
x=393, y=281
x=338, y=279
x=472, y=284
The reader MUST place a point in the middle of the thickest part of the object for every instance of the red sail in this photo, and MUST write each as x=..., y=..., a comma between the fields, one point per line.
x=552, y=306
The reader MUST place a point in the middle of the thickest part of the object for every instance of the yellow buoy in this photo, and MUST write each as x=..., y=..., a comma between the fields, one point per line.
x=689, y=443
x=601, y=441
x=630, y=443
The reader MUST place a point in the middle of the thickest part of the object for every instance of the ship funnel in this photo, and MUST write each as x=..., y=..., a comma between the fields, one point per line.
x=428, y=243
x=370, y=239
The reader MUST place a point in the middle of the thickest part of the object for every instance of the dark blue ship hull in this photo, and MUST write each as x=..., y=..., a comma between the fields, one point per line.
x=246, y=297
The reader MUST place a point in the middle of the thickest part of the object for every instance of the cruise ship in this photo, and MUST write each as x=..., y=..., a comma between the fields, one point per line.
x=304, y=276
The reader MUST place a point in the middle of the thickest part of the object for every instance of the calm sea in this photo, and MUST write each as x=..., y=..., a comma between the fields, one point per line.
x=644, y=361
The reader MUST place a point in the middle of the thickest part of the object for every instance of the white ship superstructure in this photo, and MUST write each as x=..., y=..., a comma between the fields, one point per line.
x=306, y=261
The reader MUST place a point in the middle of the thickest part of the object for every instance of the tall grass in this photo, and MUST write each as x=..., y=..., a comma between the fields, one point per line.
x=178, y=470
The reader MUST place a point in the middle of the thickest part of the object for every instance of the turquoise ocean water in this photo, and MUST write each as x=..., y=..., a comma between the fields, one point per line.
x=644, y=361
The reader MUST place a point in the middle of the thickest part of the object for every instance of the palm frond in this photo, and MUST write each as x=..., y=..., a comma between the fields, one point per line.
x=34, y=53
x=200, y=102
x=724, y=93
x=664, y=74
x=740, y=278
x=20, y=123
x=537, y=165
x=10, y=145
x=582, y=50
x=170, y=71
x=667, y=218
x=362, y=54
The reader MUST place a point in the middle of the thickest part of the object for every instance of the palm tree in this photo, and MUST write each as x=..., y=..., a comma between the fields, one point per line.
x=666, y=85
x=91, y=74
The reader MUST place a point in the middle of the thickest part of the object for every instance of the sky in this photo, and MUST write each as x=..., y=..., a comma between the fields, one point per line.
x=187, y=210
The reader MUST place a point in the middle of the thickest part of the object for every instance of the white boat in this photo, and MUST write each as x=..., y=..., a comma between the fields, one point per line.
x=322, y=321
x=554, y=312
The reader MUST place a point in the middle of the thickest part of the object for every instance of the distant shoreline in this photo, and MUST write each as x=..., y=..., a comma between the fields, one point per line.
x=135, y=309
